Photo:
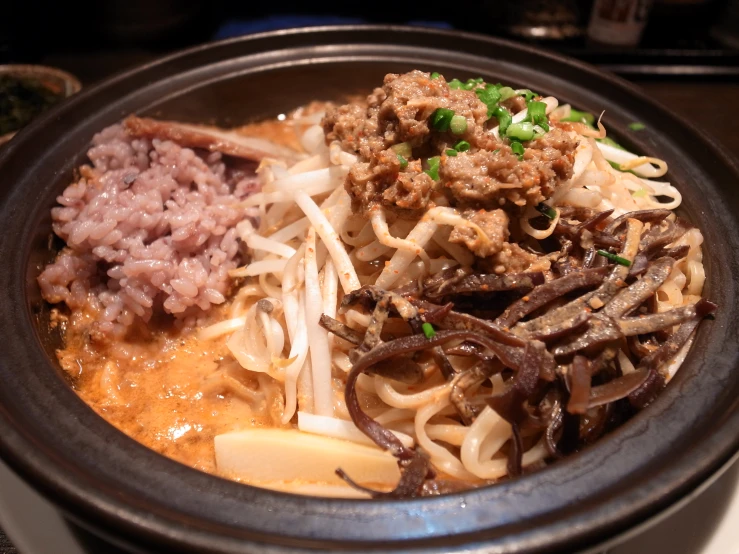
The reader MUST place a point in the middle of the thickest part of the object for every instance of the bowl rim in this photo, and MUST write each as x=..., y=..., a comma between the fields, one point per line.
x=12, y=446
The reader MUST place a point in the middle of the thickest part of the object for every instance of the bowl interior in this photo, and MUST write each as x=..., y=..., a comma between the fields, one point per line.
x=108, y=481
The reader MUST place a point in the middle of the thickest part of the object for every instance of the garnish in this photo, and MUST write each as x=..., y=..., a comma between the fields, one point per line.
x=403, y=161
x=547, y=210
x=433, y=168
x=441, y=119
x=403, y=149
x=490, y=97
x=537, y=114
x=520, y=131
x=506, y=93
x=451, y=152
x=636, y=126
x=527, y=94
x=435, y=75
x=458, y=124
x=462, y=146
x=614, y=258
x=504, y=118
x=517, y=148
x=580, y=117
x=428, y=330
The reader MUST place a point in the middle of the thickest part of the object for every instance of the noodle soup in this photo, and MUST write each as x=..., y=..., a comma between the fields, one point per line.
x=439, y=286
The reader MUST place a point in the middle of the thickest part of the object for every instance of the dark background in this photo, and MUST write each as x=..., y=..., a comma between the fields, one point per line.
x=683, y=37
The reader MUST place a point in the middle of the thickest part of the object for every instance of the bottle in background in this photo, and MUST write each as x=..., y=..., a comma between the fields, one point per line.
x=618, y=22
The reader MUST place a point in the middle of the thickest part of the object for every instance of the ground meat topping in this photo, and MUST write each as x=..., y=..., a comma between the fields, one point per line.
x=493, y=223
x=485, y=175
x=489, y=178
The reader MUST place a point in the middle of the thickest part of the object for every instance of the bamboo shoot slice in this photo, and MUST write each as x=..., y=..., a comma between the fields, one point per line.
x=284, y=455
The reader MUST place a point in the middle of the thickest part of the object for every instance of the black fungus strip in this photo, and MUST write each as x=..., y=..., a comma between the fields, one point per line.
x=400, y=369
x=486, y=283
x=414, y=473
x=643, y=395
x=644, y=324
x=340, y=330
x=564, y=327
x=593, y=423
x=655, y=361
x=436, y=315
x=599, y=238
x=405, y=345
x=631, y=297
x=601, y=330
x=445, y=366
x=593, y=221
x=445, y=280
x=677, y=253
x=515, y=452
x=472, y=377
x=645, y=216
x=510, y=405
x=641, y=349
x=461, y=321
x=555, y=424
x=579, y=379
x=596, y=299
x=640, y=265
x=663, y=235
x=618, y=388
x=544, y=294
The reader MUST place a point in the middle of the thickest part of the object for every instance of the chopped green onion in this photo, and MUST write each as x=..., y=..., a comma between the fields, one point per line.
x=547, y=210
x=435, y=75
x=428, y=330
x=504, y=118
x=403, y=149
x=610, y=142
x=527, y=94
x=636, y=126
x=433, y=168
x=472, y=83
x=506, y=93
x=517, y=148
x=537, y=114
x=614, y=258
x=617, y=167
x=455, y=84
x=451, y=152
x=641, y=193
x=462, y=146
x=458, y=124
x=490, y=97
x=520, y=131
x=403, y=161
x=441, y=119
x=496, y=150
x=580, y=117
x=536, y=110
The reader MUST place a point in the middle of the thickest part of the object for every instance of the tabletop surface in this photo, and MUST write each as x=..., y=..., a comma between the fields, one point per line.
x=705, y=103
